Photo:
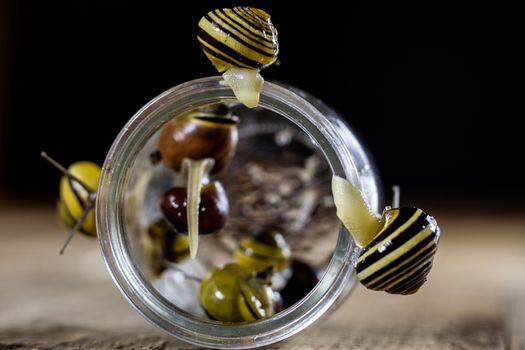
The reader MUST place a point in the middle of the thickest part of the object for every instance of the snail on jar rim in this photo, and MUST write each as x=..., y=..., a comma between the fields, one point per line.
x=241, y=37
x=400, y=255
x=77, y=195
x=398, y=249
x=239, y=41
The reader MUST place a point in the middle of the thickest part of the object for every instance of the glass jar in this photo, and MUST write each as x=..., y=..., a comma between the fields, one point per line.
x=127, y=181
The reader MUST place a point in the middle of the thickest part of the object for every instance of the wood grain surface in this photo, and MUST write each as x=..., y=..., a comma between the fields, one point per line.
x=475, y=297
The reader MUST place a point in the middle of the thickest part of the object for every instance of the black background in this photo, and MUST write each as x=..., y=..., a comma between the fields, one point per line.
x=435, y=89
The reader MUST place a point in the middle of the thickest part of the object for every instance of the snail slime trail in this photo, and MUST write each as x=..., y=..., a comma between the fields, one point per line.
x=239, y=42
x=196, y=170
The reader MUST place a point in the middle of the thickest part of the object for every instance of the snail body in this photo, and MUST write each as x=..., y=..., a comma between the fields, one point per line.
x=398, y=249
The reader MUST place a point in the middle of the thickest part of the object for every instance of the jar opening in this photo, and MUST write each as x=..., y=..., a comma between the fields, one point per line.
x=121, y=195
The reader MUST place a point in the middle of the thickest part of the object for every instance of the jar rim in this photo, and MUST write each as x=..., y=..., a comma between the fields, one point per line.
x=339, y=274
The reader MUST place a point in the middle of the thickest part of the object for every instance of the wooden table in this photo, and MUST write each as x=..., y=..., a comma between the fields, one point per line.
x=475, y=297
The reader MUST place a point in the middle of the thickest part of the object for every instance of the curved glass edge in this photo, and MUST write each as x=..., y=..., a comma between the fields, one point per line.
x=364, y=162
x=110, y=221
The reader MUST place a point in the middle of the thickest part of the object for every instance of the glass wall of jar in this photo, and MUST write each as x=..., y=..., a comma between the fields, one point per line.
x=278, y=181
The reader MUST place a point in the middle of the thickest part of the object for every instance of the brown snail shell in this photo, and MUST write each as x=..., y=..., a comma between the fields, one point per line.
x=199, y=135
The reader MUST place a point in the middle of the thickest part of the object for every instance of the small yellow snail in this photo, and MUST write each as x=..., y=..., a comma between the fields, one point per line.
x=198, y=144
x=240, y=41
x=173, y=246
x=398, y=249
x=77, y=194
x=232, y=293
x=265, y=250
x=162, y=245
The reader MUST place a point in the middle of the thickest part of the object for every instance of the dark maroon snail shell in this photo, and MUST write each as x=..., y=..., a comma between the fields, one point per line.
x=304, y=279
x=213, y=208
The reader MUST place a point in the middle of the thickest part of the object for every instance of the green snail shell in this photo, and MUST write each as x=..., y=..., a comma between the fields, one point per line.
x=400, y=256
x=232, y=293
x=266, y=250
x=241, y=37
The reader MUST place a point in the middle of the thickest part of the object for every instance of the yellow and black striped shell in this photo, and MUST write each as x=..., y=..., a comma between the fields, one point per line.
x=266, y=250
x=172, y=246
x=400, y=256
x=232, y=293
x=241, y=37
x=74, y=197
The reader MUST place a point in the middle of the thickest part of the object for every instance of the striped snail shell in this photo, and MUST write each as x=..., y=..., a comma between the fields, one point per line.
x=266, y=250
x=399, y=257
x=242, y=37
x=232, y=293
x=74, y=196
x=172, y=246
